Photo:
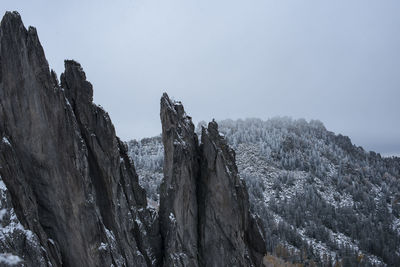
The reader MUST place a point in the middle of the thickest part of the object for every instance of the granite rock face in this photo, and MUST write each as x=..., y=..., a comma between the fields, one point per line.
x=228, y=234
x=178, y=200
x=68, y=175
x=69, y=193
x=203, y=199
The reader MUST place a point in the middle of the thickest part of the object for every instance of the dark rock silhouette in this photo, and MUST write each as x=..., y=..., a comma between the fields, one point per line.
x=70, y=194
x=228, y=234
x=209, y=204
x=178, y=200
x=69, y=177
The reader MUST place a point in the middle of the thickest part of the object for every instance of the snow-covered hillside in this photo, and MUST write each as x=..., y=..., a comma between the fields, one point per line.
x=321, y=198
x=148, y=157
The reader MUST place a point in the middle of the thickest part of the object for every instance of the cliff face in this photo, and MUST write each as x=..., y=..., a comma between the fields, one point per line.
x=68, y=175
x=229, y=235
x=178, y=200
x=203, y=198
x=70, y=195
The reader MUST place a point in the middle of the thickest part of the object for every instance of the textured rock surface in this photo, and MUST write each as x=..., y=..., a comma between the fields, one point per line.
x=228, y=234
x=178, y=200
x=69, y=177
x=209, y=203
x=14, y=238
x=70, y=194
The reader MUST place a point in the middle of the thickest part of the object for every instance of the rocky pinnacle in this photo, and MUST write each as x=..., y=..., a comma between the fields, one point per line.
x=178, y=200
x=74, y=190
x=203, y=199
x=69, y=193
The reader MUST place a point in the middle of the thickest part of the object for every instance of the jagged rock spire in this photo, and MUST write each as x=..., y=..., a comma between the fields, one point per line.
x=75, y=192
x=208, y=204
x=228, y=234
x=74, y=79
x=73, y=188
x=178, y=200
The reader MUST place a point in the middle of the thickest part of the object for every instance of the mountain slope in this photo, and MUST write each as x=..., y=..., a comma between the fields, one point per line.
x=320, y=197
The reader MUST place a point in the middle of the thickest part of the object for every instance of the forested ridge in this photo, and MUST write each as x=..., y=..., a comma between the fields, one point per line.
x=322, y=200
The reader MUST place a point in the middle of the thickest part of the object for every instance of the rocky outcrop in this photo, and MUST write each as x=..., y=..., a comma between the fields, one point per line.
x=178, y=200
x=203, y=199
x=69, y=193
x=13, y=236
x=70, y=180
x=228, y=234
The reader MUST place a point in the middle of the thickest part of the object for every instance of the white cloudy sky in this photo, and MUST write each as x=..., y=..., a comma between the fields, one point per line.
x=336, y=61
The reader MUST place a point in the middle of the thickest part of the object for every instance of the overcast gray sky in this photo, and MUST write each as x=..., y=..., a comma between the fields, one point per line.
x=336, y=61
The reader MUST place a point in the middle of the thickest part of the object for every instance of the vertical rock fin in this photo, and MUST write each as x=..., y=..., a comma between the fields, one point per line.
x=178, y=199
x=203, y=198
